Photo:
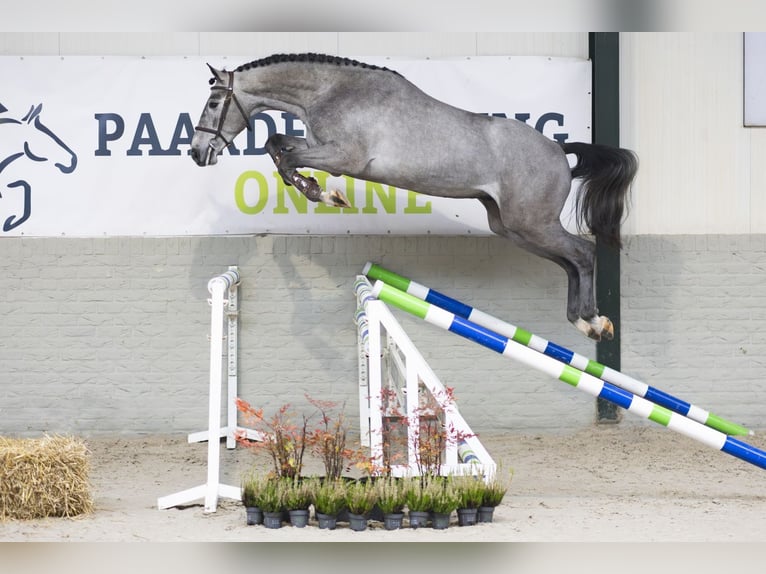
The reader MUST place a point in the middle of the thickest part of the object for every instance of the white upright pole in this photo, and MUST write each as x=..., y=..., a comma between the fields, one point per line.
x=232, y=312
x=217, y=287
x=212, y=489
x=376, y=384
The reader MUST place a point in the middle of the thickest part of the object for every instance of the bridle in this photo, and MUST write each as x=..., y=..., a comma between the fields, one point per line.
x=218, y=132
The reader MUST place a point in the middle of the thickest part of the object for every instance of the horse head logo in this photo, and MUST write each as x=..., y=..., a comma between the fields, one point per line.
x=28, y=137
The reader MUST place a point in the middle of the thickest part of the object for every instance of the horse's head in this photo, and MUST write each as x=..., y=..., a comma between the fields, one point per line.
x=217, y=127
x=50, y=147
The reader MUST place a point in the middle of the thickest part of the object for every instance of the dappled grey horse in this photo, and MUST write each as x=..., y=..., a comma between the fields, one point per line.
x=370, y=123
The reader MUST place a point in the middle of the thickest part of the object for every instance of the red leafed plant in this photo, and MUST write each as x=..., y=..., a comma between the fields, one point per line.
x=328, y=439
x=430, y=437
x=284, y=440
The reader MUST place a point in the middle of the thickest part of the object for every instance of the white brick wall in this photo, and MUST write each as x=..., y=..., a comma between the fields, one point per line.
x=694, y=320
x=110, y=335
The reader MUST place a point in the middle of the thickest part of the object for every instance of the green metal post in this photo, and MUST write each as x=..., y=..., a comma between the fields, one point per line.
x=604, y=49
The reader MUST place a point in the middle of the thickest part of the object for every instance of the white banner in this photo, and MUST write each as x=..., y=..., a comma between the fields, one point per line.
x=98, y=146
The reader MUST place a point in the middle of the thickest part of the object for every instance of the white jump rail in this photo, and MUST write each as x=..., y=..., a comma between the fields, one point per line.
x=213, y=489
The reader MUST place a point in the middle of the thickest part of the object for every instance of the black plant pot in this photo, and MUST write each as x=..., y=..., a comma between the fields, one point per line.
x=486, y=513
x=254, y=515
x=357, y=522
x=299, y=518
x=327, y=521
x=467, y=516
x=418, y=518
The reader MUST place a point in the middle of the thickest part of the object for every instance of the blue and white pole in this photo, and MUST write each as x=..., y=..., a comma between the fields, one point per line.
x=632, y=403
x=519, y=335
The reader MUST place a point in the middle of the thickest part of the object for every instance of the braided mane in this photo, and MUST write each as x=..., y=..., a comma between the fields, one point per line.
x=310, y=58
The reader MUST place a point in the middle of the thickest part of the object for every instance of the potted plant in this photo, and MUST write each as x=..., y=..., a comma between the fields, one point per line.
x=298, y=496
x=270, y=501
x=391, y=502
x=445, y=501
x=328, y=440
x=361, y=497
x=251, y=488
x=284, y=440
x=419, y=500
x=494, y=491
x=470, y=491
x=329, y=500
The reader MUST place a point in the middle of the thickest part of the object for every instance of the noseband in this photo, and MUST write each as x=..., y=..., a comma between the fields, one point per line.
x=230, y=97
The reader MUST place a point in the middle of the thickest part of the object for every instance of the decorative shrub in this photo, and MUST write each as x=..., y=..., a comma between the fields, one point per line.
x=390, y=495
x=361, y=497
x=329, y=496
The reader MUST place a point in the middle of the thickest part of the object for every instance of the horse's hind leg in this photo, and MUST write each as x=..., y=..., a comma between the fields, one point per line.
x=576, y=255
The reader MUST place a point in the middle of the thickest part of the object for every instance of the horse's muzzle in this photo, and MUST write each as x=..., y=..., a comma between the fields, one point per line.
x=204, y=156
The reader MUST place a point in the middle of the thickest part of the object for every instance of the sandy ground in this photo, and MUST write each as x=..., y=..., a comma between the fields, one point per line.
x=608, y=484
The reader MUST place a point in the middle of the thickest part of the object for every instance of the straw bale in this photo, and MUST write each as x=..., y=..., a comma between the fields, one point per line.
x=44, y=477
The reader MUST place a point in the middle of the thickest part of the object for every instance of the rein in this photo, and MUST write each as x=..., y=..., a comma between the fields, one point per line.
x=230, y=97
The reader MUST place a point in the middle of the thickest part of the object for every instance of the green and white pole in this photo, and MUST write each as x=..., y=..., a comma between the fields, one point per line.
x=583, y=381
x=519, y=335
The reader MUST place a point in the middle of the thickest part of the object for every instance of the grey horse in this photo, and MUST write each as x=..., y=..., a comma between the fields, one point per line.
x=370, y=123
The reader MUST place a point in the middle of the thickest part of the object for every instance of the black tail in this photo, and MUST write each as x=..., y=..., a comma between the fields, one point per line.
x=606, y=173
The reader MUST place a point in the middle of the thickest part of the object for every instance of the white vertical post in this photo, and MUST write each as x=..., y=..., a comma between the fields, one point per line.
x=375, y=381
x=364, y=395
x=212, y=489
x=217, y=287
x=232, y=312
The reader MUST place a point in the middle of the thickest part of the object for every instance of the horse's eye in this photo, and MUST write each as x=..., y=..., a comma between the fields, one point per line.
x=213, y=105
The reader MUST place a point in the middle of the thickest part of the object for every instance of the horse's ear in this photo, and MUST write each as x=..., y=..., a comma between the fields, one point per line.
x=216, y=73
x=3, y=108
x=32, y=113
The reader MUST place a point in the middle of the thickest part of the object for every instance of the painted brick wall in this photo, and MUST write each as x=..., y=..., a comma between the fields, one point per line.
x=694, y=320
x=111, y=335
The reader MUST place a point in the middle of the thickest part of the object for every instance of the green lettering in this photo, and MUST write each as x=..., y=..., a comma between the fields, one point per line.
x=413, y=207
x=388, y=199
x=350, y=194
x=239, y=192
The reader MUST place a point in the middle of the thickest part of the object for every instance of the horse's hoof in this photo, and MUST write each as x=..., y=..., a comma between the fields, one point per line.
x=335, y=198
x=597, y=328
x=607, y=329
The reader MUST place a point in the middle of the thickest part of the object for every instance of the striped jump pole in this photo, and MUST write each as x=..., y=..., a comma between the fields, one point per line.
x=376, y=272
x=581, y=380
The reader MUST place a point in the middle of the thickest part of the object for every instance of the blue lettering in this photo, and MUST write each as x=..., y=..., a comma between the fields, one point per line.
x=552, y=117
x=145, y=123
x=104, y=135
x=182, y=135
x=290, y=128
x=522, y=117
x=271, y=129
x=540, y=123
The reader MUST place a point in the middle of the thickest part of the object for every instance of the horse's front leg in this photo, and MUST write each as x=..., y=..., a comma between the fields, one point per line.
x=281, y=149
x=12, y=222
